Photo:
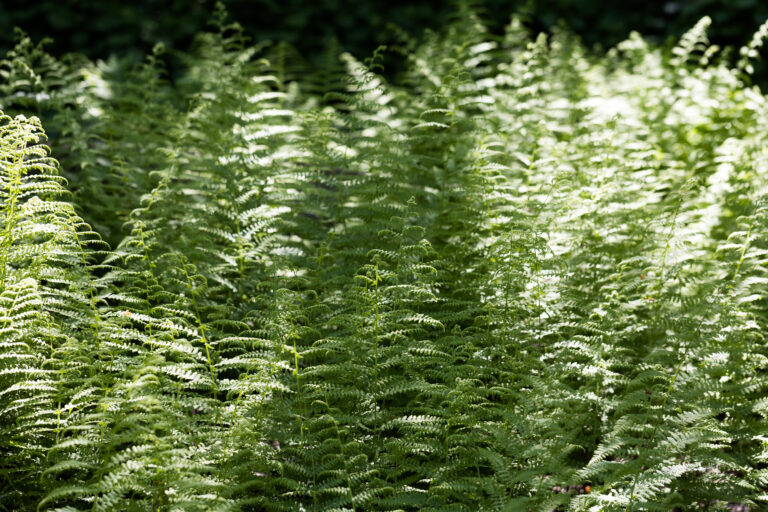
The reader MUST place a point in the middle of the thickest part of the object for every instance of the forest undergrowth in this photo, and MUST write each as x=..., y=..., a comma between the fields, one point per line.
x=521, y=277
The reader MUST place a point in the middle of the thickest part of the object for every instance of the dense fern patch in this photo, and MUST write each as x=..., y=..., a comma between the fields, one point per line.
x=524, y=277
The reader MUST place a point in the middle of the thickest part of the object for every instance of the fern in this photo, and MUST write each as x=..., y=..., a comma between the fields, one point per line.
x=519, y=276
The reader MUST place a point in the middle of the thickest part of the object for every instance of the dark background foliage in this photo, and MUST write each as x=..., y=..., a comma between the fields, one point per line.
x=99, y=29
